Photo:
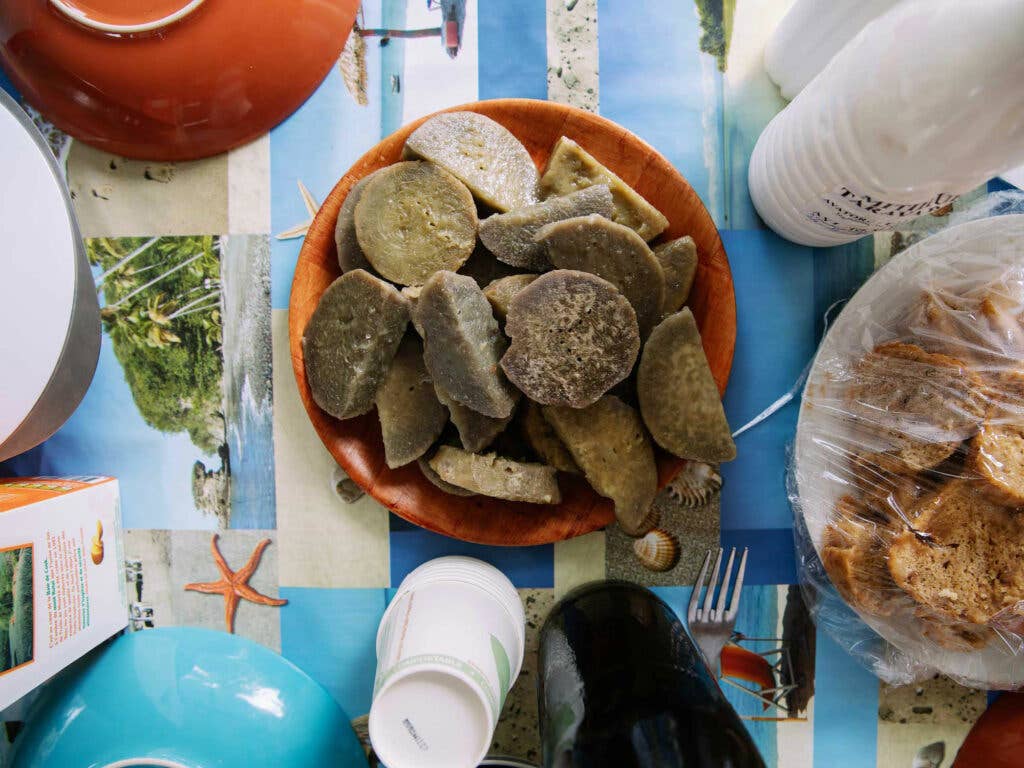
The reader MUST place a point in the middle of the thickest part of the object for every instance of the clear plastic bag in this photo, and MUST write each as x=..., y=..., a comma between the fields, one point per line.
x=907, y=475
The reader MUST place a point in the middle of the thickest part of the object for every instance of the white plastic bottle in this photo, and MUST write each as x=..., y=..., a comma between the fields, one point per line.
x=924, y=104
x=810, y=34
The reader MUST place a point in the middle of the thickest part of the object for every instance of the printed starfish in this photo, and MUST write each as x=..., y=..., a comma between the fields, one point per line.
x=300, y=230
x=234, y=585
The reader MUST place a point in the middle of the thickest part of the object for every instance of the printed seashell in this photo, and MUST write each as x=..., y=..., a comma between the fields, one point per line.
x=695, y=484
x=657, y=550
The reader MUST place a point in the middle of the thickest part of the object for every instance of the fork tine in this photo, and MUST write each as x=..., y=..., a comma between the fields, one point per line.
x=723, y=596
x=710, y=597
x=731, y=613
x=691, y=611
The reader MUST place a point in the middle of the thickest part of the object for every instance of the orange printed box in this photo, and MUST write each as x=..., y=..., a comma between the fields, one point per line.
x=62, y=583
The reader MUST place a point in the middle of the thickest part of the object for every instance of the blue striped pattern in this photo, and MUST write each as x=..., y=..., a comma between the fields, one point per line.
x=845, y=709
x=330, y=634
x=513, y=48
x=775, y=339
x=838, y=273
x=317, y=145
x=771, y=558
x=392, y=64
x=657, y=83
x=412, y=546
x=782, y=293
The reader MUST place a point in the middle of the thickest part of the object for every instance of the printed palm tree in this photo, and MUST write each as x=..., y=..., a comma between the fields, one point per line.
x=137, y=316
x=121, y=262
x=157, y=320
x=159, y=311
x=142, y=324
x=120, y=281
x=162, y=313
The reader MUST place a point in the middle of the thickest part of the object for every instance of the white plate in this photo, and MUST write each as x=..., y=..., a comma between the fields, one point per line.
x=957, y=258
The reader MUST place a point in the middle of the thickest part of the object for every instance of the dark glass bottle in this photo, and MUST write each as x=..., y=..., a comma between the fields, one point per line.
x=622, y=685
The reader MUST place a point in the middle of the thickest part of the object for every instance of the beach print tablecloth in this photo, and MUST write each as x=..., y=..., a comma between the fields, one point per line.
x=194, y=405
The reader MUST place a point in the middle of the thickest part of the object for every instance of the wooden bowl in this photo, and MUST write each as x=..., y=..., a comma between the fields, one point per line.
x=356, y=443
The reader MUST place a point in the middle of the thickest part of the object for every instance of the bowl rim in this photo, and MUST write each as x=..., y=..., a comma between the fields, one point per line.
x=80, y=16
x=597, y=513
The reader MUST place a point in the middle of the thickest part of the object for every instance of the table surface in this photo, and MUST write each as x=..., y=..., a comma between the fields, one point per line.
x=194, y=406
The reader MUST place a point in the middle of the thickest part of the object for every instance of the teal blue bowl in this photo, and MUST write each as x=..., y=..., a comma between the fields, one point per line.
x=181, y=697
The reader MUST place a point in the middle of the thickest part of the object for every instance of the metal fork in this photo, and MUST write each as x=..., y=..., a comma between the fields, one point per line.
x=711, y=628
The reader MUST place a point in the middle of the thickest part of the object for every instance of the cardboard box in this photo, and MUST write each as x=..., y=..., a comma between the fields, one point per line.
x=62, y=583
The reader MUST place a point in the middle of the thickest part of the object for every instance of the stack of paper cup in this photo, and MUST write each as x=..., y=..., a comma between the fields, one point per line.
x=449, y=648
x=810, y=34
x=883, y=135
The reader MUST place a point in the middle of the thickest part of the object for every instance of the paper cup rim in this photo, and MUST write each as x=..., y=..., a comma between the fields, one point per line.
x=444, y=670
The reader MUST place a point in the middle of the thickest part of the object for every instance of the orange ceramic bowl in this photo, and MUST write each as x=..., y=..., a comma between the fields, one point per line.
x=356, y=443
x=170, y=79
